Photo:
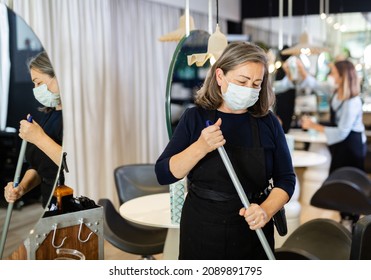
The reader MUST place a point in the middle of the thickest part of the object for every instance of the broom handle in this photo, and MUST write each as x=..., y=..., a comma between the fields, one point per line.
x=16, y=181
x=243, y=197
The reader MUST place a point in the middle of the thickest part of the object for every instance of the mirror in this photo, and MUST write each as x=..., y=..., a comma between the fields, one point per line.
x=183, y=80
x=18, y=43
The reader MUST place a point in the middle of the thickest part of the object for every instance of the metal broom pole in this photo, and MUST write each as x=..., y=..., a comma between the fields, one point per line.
x=15, y=184
x=243, y=197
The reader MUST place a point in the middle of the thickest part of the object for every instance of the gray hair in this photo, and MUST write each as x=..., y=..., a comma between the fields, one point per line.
x=209, y=96
x=42, y=63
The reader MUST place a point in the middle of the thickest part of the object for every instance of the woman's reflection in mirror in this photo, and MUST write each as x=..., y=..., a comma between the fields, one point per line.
x=44, y=136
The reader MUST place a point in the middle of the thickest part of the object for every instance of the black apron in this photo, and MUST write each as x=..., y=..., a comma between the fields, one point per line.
x=45, y=166
x=349, y=152
x=211, y=227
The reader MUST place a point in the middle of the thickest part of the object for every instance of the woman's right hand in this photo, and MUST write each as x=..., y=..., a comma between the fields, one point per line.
x=32, y=132
x=12, y=193
x=212, y=137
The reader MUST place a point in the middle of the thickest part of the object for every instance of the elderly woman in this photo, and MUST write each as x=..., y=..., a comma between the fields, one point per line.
x=236, y=97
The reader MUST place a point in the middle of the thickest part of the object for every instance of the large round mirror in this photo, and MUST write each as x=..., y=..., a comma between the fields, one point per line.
x=18, y=44
x=183, y=79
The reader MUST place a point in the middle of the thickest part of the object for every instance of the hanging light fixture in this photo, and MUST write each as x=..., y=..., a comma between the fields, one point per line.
x=216, y=45
x=186, y=24
x=304, y=47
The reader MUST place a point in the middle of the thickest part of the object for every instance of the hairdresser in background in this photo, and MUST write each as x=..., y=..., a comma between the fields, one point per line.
x=345, y=132
x=44, y=147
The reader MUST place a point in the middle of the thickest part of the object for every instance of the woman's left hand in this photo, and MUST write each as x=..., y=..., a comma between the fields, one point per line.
x=30, y=131
x=255, y=216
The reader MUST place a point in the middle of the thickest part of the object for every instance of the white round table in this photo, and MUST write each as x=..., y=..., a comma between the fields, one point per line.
x=293, y=209
x=306, y=136
x=154, y=210
x=307, y=159
x=313, y=176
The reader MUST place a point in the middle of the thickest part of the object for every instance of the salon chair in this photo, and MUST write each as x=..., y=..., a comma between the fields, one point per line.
x=361, y=239
x=127, y=237
x=318, y=239
x=347, y=190
x=132, y=181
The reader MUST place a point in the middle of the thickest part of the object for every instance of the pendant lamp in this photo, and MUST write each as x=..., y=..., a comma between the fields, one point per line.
x=304, y=47
x=216, y=45
x=179, y=33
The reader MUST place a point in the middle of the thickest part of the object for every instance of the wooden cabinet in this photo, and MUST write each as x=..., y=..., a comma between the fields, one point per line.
x=81, y=231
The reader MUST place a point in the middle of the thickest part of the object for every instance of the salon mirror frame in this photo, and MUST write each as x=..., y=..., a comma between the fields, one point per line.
x=183, y=43
x=22, y=220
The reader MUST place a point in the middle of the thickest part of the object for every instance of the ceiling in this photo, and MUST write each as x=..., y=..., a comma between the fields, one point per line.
x=269, y=8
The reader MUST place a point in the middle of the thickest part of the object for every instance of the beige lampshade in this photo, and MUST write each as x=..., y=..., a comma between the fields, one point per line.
x=179, y=33
x=216, y=45
x=304, y=47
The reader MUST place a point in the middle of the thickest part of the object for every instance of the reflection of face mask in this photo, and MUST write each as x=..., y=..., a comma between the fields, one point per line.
x=239, y=97
x=46, y=97
x=331, y=82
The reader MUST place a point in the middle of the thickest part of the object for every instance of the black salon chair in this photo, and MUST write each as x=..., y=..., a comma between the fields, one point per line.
x=133, y=181
x=361, y=239
x=318, y=239
x=129, y=238
x=347, y=190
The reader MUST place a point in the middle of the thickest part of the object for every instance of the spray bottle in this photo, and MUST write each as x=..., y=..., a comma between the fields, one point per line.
x=63, y=195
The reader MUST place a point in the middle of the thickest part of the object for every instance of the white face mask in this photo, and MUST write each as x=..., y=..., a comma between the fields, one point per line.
x=239, y=97
x=46, y=97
